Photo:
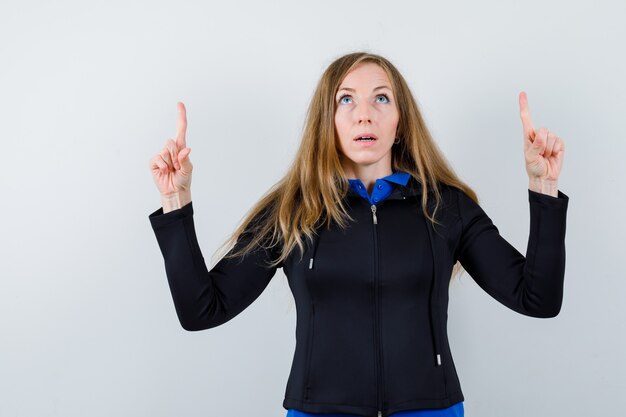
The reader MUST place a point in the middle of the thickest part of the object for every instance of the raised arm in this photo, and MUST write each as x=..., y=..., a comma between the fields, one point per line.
x=531, y=285
x=206, y=299
x=203, y=299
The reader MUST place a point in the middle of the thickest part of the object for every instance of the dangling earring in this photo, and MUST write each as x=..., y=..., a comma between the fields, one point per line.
x=395, y=142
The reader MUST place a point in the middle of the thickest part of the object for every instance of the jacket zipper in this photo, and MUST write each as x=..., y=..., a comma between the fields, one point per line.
x=379, y=375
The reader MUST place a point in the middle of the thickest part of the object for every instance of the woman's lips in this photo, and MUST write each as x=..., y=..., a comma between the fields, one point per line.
x=365, y=143
x=366, y=134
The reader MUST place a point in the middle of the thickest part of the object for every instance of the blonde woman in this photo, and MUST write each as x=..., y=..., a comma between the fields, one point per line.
x=369, y=224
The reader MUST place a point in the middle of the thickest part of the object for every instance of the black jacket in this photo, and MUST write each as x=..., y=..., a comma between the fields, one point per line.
x=372, y=301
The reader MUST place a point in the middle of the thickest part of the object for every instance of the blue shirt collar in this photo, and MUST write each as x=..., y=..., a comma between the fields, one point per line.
x=382, y=188
x=399, y=177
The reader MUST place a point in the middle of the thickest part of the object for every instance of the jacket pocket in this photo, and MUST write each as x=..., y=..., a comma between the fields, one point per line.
x=309, y=344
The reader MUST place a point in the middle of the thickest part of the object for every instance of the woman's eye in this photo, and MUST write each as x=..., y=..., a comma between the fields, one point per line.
x=342, y=97
x=385, y=97
x=347, y=97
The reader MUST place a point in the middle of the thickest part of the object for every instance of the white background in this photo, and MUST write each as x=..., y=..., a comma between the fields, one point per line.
x=88, y=95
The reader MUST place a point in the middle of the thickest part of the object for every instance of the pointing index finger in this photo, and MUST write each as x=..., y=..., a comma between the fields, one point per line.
x=181, y=127
x=527, y=123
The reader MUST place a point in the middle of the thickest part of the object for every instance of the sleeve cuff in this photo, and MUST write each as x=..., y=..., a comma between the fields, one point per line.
x=159, y=219
x=561, y=200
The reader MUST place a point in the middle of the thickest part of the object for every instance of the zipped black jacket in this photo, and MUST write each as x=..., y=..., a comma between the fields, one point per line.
x=372, y=300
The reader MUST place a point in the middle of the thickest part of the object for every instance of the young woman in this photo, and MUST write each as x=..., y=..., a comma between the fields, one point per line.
x=369, y=225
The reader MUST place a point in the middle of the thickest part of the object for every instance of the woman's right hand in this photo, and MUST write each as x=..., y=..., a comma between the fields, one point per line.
x=171, y=168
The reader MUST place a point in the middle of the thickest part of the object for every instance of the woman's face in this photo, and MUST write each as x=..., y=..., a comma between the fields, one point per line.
x=366, y=107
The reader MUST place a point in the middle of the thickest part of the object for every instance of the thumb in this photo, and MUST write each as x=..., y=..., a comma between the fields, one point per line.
x=539, y=144
x=183, y=159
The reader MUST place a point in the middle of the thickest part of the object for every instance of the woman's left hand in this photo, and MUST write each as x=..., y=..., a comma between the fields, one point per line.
x=543, y=150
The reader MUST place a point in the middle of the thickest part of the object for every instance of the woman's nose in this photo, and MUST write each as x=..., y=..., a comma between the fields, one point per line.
x=365, y=113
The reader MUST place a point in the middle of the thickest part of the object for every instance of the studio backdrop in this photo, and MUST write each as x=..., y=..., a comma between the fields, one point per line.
x=88, y=95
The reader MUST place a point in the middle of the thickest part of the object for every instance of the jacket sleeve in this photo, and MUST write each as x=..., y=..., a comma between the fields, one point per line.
x=204, y=299
x=531, y=285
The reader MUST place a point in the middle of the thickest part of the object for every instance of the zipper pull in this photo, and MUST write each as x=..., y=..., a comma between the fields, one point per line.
x=373, y=207
x=380, y=414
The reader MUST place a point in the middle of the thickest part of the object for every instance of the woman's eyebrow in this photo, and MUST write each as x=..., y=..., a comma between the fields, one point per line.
x=352, y=89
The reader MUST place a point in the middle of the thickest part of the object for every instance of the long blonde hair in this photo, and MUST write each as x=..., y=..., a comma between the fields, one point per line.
x=312, y=191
